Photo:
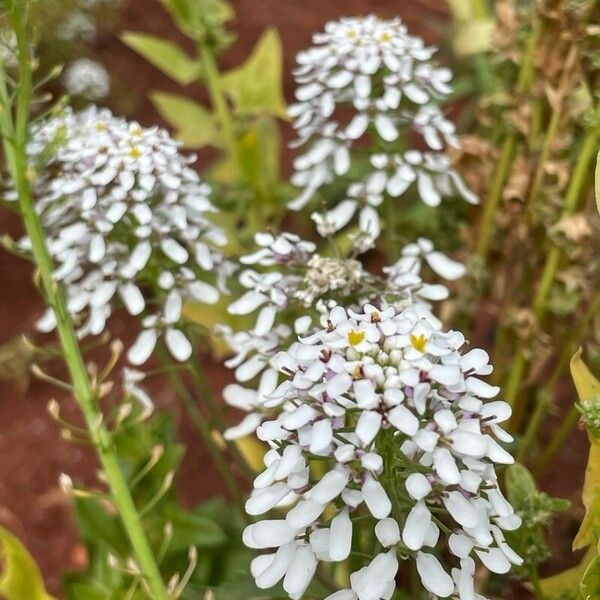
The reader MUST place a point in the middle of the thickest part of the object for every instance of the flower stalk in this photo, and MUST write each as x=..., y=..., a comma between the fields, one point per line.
x=539, y=306
x=14, y=135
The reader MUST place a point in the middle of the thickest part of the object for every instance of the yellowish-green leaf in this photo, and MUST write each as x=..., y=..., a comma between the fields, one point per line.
x=567, y=581
x=193, y=124
x=587, y=388
x=590, y=580
x=20, y=577
x=253, y=451
x=164, y=55
x=597, y=178
x=473, y=37
x=259, y=154
x=255, y=87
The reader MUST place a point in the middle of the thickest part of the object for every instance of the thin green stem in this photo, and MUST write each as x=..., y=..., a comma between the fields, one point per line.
x=558, y=440
x=216, y=414
x=574, y=191
x=508, y=147
x=85, y=394
x=201, y=424
x=545, y=396
x=214, y=85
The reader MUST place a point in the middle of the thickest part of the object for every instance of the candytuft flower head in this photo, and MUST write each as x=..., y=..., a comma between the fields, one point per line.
x=126, y=223
x=407, y=432
x=366, y=82
x=87, y=78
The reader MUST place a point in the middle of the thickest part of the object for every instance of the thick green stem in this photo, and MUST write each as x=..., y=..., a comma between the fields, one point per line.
x=85, y=394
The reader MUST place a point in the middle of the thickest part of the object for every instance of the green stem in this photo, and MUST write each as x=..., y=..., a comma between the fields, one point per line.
x=84, y=392
x=558, y=440
x=216, y=414
x=203, y=428
x=574, y=191
x=508, y=147
x=214, y=85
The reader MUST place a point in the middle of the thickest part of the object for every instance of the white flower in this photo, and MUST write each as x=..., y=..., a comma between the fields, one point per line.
x=389, y=80
x=76, y=25
x=126, y=223
x=370, y=375
x=87, y=78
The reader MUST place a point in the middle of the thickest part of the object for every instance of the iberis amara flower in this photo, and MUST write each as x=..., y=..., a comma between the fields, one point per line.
x=368, y=104
x=290, y=283
x=407, y=437
x=126, y=224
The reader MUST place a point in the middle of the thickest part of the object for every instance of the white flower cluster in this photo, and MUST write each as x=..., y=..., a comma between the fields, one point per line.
x=402, y=420
x=364, y=87
x=125, y=218
x=295, y=279
x=87, y=78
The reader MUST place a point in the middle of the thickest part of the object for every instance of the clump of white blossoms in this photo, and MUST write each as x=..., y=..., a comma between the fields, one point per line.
x=126, y=223
x=291, y=283
x=366, y=90
x=406, y=433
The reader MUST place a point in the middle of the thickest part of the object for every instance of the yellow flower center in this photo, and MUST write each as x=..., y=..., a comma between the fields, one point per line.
x=386, y=36
x=135, y=152
x=418, y=342
x=136, y=131
x=355, y=337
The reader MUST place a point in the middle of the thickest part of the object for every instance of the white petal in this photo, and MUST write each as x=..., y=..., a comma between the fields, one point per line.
x=416, y=526
x=386, y=128
x=387, y=532
x=142, y=347
x=368, y=426
x=340, y=543
x=376, y=499
x=178, y=345
x=132, y=298
x=433, y=576
x=444, y=266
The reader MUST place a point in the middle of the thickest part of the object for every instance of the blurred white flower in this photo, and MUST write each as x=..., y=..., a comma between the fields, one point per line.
x=365, y=84
x=87, y=78
x=76, y=25
x=126, y=224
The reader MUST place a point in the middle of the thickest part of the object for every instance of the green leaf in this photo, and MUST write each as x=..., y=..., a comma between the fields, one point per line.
x=520, y=484
x=164, y=55
x=97, y=526
x=590, y=582
x=588, y=387
x=259, y=153
x=473, y=37
x=20, y=577
x=597, y=180
x=567, y=582
x=255, y=87
x=190, y=529
x=192, y=122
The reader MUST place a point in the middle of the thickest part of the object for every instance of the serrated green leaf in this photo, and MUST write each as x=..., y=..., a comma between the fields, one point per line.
x=193, y=124
x=20, y=577
x=164, y=55
x=255, y=87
